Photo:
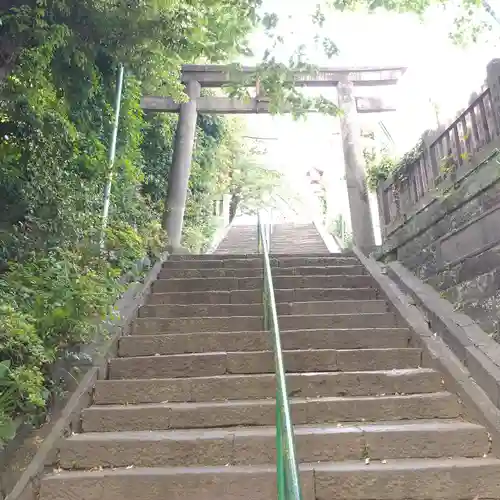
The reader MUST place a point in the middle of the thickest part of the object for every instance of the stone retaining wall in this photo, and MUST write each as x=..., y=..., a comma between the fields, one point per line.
x=453, y=241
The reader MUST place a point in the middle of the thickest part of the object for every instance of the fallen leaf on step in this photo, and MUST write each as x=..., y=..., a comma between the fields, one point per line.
x=129, y=467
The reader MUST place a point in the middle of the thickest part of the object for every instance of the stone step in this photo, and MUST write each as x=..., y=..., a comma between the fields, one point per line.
x=221, y=363
x=147, y=326
x=257, y=262
x=214, y=310
x=182, y=343
x=256, y=446
x=169, y=273
x=203, y=310
x=164, y=416
x=416, y=479
x=255, y=296
x=308, y=245
x=279, y=256
x=216, y=262
x=403, y=479
x=333, y=307
x=326, y=321
x=280, y=282
x=310, y=248
x=258, y=386
x=349, y=270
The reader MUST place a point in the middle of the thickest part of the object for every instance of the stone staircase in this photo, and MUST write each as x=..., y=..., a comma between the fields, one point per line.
x=240, y=239
x=187, y=410
x=297, y=239
x=287, y=238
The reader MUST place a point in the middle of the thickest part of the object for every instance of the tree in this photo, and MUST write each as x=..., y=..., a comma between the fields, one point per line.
x=251, y=187
x=55, y=120
x=152, y=38
x=472, y=18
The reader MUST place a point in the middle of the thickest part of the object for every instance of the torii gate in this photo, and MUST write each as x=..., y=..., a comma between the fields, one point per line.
x=345, y=79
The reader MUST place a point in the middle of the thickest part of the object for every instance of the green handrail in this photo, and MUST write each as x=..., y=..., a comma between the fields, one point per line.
x=288, y=481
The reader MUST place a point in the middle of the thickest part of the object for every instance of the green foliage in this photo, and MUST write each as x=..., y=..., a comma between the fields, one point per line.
x=50, y=304
x=153, y=37
x=241, y=174
x=472, y=19
x=339, y=230
x=410, y=157
x=278, y=84
x=56, y=111
x=252, y=186
x=378, y=168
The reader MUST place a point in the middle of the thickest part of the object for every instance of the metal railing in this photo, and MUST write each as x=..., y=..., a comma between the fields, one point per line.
x=264, y=220
x=288, y=481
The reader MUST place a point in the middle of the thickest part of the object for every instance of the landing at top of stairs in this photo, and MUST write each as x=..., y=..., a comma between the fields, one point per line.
x=287, y=238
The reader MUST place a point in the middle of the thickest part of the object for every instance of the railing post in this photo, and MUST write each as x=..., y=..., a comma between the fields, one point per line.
x=383, y=215
x=259, y=241
x=493, y=82
x=280, y=463
x=430, y=163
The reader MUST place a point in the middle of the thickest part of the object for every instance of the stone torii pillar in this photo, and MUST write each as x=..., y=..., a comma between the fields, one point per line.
x=175, y=201
x=359, y=205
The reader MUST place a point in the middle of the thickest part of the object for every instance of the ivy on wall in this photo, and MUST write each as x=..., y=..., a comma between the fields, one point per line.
x=381, y=166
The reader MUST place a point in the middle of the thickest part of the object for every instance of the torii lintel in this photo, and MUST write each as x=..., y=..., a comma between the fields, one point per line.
x=213, y=75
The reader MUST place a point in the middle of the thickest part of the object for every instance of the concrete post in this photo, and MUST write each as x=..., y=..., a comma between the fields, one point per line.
x=175, y=202
x=226, y=203
x=382, y=211
x=361, y=218
x=493, y=83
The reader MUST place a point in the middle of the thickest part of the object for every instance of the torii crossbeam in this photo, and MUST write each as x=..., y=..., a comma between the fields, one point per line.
x=227, y=105
x=212, y=76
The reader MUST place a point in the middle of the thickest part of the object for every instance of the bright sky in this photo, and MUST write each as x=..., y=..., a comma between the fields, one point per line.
x=436, y=69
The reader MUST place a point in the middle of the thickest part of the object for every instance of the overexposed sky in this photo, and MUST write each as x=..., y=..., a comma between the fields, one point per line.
x=437, y=70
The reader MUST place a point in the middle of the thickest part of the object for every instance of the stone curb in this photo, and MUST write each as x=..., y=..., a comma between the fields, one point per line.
x=26, y=487
x=451, y=342
x=329, y=240
x=472, y=346
x=219, y=237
